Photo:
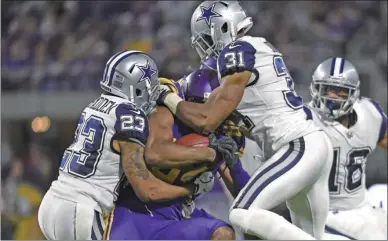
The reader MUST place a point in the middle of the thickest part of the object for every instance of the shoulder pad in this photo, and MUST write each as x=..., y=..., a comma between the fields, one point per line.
x=236, y=57
x=131, y=124
x=376, y=113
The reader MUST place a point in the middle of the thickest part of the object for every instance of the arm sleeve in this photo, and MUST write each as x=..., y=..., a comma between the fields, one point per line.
x=131, y=124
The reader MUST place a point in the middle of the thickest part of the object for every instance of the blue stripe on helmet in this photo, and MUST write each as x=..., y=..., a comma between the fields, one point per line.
x=107, y=65
x=332, y=66
x=342, y=65
x=118, y=62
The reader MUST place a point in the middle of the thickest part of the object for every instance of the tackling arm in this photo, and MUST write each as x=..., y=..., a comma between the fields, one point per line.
x=222, y=101
x=234, y=178
x=162, y=152
x=146, y=186
x=236, y=67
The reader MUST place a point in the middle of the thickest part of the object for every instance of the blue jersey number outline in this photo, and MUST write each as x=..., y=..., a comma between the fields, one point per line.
x=83, y=163
x=293, y=100
x=352, y=166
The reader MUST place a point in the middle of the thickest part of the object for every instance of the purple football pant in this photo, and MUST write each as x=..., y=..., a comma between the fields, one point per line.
x=128, y=225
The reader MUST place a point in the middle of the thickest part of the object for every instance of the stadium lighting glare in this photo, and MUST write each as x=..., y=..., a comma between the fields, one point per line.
x=40, y=124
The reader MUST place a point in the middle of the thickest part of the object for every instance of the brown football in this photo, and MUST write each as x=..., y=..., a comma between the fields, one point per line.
x=189, y=173
x=194, y=139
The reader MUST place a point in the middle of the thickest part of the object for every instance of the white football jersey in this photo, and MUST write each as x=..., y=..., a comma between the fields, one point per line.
x=351, y=149
x=273, y=112
x=90, y=167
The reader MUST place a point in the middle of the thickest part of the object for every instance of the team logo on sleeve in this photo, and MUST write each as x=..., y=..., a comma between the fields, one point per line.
x=208, y=13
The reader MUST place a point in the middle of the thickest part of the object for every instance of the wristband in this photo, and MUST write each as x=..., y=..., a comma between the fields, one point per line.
x=171, y=101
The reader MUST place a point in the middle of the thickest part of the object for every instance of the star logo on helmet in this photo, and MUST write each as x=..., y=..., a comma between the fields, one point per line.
x=208, y=13
x=148, y=72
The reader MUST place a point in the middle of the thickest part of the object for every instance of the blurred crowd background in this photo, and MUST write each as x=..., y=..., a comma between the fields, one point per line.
x=62, y=46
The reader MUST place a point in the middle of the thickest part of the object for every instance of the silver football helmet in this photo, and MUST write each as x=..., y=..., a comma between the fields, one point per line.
x=215, y=24
x=335, y=87
x=132, y=75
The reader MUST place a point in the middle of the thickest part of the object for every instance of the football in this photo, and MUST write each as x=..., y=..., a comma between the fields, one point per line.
x=194, y=139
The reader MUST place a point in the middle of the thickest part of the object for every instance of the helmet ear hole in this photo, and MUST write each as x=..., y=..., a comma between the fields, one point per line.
x=139, y=92
x=224, y=27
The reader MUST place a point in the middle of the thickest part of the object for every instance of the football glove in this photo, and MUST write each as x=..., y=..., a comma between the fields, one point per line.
x=225, y=147
x=164, y=90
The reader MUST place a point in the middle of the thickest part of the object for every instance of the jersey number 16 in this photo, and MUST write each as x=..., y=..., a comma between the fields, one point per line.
x=353, y=170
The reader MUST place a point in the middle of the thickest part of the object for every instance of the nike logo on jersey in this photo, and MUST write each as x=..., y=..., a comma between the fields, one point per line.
x=232, y=46
x=137, y=112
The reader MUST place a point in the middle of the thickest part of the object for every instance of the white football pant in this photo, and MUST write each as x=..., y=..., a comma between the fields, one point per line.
x=377, y=195
x=364, y=223
x=60, y=219
x=297, y=173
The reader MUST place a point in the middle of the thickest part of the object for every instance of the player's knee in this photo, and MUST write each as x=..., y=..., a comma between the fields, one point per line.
x=223, y=233
x=238, y=216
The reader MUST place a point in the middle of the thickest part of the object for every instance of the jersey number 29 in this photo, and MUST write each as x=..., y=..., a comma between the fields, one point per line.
x=82, y=162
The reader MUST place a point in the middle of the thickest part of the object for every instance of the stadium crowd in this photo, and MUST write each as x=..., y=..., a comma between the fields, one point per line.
x=64, y=45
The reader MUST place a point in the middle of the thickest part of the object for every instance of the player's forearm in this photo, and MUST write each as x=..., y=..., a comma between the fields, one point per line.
x=198, y=116
x=222, y=101
x=171, y=155
x=235, y=178
x=160, y=191
x=146, y=186
x=228, y=180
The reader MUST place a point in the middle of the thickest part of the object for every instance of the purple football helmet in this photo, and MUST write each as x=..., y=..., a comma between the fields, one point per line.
x=210, y=63
x=200, y=84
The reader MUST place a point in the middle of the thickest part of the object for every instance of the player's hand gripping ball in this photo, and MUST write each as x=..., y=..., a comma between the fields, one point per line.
x=190, y=173
x=193, y=139
x=225, y=147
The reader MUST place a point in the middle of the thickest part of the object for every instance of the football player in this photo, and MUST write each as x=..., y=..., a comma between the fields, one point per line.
x=109, y=142
x=254, y=80
x=355, y=125
x=168, y=161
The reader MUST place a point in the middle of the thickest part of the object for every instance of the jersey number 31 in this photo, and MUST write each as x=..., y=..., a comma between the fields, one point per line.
x=292, y=99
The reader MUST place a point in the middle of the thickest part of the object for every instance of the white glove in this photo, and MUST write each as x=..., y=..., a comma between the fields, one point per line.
x=204, y=183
